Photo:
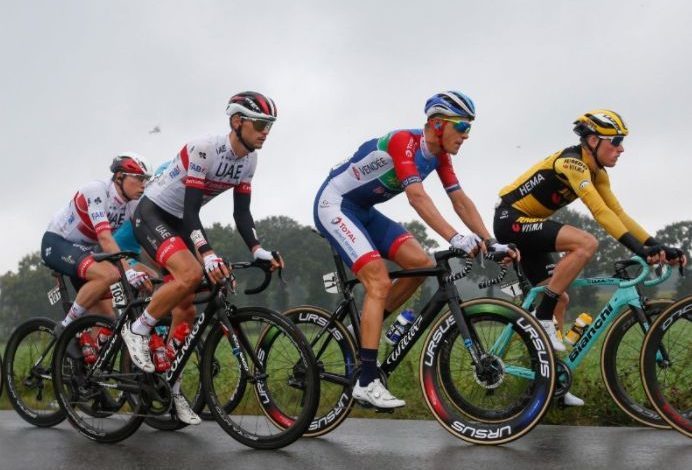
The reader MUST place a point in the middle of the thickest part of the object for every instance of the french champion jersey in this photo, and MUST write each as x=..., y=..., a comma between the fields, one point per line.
x=208, y=164
x=96, y=207
x=382, y=168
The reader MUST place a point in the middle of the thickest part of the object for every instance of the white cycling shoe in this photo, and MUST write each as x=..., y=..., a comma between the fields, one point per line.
x=184, y=411
x=377, y=395
x=572, y=400
x=138, y=347
x=549, y=328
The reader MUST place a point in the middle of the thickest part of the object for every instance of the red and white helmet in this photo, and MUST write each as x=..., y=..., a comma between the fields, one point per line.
x=253, y=105
x=132, y=163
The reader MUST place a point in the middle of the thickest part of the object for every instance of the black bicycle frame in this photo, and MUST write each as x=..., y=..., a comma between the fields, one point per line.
x=446, y=294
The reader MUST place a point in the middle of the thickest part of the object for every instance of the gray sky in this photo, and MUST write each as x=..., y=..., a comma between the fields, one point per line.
x=83, y=80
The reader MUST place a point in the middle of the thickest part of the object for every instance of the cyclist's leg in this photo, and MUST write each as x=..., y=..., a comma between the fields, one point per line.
x=342, y=224
x=91, y=279
x=398, y=245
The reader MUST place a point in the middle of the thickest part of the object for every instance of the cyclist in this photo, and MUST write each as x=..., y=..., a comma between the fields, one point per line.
x=85, y=226
x=522, y=215
x=167, y=224
x=379, y=170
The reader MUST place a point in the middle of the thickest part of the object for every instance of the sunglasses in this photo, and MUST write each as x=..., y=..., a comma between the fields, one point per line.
x=614, y=141
x=463, y=127
x=141, y=178
x=260, y=125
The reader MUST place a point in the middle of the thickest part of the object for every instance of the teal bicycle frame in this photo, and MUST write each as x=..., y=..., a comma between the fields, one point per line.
x=625, y=295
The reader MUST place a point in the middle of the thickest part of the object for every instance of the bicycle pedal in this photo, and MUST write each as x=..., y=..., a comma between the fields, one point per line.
x=385, y=410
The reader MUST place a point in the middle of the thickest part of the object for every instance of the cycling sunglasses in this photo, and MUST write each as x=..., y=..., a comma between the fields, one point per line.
x=260, y=125
x=614, y=141
x=463, y=127
x=142, y=178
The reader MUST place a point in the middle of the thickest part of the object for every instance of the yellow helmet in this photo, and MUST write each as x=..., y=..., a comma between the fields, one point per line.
x=601, y=122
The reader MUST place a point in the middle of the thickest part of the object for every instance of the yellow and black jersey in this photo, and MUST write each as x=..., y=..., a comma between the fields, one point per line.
x=560, y=179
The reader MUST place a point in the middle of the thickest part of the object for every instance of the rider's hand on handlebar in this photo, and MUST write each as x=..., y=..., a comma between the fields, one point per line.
x=215, y=268
x=469, y=244
x=138, y=279
x=272, y=256
x=511, y=250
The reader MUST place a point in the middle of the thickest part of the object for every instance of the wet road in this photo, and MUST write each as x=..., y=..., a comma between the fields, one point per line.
x=358, y=444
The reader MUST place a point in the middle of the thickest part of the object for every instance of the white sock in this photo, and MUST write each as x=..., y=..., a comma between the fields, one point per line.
x=143, y=325
x=176, y=386
x=75, y=312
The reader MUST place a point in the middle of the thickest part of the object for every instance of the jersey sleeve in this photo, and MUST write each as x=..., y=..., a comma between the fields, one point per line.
x=195, y=157
x=90, y=202
x=445, y=171
x=602, y=183
x=577, y=175
x=402, y=148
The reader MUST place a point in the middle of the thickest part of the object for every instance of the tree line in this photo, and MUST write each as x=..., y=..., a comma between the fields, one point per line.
x=308, y=257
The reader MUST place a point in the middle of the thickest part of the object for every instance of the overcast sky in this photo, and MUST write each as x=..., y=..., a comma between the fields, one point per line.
x=84, y=80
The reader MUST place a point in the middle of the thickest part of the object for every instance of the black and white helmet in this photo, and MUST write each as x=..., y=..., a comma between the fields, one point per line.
x=253, y=105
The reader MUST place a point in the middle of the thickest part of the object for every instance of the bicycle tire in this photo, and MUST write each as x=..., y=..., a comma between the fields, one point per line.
x=620, y=365
x=232, y=396
x=489, y=426
x=86, y=410
x=667, y=383
x=27, y=385
x=336, y=356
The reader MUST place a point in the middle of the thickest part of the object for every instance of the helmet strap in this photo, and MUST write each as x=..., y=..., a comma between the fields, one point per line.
x=438, y=132
x=594, y=151
x=239, y=133
x=119, y=183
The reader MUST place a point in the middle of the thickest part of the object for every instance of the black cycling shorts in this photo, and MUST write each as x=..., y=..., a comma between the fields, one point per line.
x=159, y=233
x=69, y=258
x=534, y=237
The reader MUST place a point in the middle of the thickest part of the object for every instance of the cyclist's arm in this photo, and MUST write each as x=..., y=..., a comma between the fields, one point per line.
x=468, y=213
x=602, y=183
x=579, y=178
x=244, y=222
x=194, y=196
x=424, y=206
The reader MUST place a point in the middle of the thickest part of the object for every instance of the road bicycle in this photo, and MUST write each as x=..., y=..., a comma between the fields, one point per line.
x=631, y=314
x=477, y=392
x=665, y=365
x=108, y=400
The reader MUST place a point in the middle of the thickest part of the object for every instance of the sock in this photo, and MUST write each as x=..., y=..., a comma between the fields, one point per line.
x=143, y=325
x=547, y=306
x=368, y=366
x=75, y=312
x=175, y=389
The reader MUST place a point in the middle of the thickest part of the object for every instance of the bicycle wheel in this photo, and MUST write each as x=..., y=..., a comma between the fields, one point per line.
x=28, y=359
x=620, y=364
x=336, y=358
x=665, y=365
x=504, y=398
x=105, y=405
x=191, y=387
x=285, y=377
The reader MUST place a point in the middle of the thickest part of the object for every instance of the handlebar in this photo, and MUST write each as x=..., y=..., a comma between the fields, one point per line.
x=263, y=265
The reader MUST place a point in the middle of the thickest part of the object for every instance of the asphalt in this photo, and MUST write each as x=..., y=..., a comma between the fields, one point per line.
x=358, y=444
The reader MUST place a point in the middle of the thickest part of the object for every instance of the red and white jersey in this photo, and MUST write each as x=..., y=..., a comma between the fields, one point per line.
x=96, y=207
x=208, y=164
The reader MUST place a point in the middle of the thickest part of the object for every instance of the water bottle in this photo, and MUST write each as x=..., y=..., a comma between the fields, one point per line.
x=177, y=339
x=158, y=353
x=400, y=326
x=580, y=325
x=103, y=336
x=88, y=345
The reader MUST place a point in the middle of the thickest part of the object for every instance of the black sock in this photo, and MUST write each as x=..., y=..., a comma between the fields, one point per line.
x=547, y=306
x=368, y=366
